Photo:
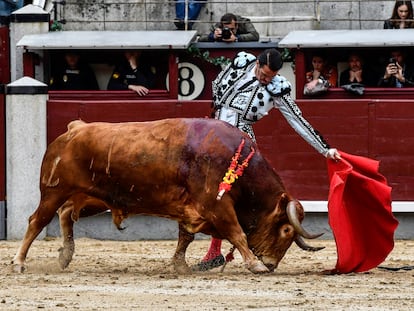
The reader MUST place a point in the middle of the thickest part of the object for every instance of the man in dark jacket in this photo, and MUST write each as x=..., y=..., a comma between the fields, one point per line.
x=232, y=28
x=398, y=73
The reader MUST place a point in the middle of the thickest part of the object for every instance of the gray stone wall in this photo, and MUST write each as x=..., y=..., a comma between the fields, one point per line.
x=272, y=18
x=156, y=228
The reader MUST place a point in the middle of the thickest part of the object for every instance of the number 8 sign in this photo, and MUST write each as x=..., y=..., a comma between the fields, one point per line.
x=191, y=81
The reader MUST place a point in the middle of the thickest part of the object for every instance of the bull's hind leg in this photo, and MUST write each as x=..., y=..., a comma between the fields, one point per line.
x=37, y=221
x=66, y=229
x=79, y=205
x=184, y=239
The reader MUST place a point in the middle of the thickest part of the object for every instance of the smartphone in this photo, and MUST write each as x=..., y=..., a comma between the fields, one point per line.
x=392, y=60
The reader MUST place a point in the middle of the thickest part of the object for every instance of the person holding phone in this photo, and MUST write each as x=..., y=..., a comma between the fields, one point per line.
x=398, y=73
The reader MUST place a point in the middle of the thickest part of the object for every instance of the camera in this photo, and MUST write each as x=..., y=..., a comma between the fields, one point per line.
x=225, y=33
x=392, y=61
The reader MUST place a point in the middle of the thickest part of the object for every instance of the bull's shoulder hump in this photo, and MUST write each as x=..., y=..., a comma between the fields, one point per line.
x=74, y=124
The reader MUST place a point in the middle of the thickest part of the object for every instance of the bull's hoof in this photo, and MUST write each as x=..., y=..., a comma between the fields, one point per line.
x=258, y=267
x=182, y=269
x=180, y=266
x=19, y=268
x=65, y=257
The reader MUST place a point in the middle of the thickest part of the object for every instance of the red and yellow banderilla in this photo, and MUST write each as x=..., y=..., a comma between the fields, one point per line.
x=234, y=171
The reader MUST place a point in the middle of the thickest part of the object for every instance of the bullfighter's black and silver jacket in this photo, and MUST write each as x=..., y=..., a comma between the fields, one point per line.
x=241, y=100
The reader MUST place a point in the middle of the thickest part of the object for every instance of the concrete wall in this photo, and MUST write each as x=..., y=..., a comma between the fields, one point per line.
x=27, y=20
x=272, y=18
x=154, y=228
x=25, y=145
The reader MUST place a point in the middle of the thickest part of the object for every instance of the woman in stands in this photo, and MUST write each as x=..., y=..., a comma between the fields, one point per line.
x=402, y=16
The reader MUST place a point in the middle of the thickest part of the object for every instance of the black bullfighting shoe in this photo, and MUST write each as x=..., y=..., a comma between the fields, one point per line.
x=209, y=264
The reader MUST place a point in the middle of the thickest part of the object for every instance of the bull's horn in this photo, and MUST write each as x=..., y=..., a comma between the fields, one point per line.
x=306, y=247
x=294, y=221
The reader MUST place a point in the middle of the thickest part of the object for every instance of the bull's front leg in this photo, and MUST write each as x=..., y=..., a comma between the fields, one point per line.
x=184, y=239
x=239, y=241
x=229, y=227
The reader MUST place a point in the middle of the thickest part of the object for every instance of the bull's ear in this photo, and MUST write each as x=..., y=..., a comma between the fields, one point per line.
x=280, y=208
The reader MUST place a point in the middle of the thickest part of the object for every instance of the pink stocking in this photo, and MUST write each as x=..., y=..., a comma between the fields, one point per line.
x=214, y=249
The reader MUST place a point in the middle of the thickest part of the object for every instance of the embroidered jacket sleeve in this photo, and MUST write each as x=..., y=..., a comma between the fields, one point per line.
x=226, y=78
x=293, y=115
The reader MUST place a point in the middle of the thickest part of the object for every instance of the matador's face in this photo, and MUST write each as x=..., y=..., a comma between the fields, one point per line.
x=264, y=74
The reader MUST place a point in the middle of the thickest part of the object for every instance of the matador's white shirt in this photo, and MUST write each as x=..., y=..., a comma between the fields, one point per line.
x=241, y=100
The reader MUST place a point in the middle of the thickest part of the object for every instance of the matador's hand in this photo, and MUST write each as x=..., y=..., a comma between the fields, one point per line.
x=333, y=154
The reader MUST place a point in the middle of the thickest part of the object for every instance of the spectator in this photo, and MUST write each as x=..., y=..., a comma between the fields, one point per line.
x=132, y=74
x=356, y=72
x=194, y=8
x=321, y=70
x=398, y=73
x=243, y=93
x=74, y=75
x=402, y=16
x=232, y=28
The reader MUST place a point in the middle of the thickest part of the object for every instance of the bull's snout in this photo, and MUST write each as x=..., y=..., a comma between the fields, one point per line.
x=270, y=263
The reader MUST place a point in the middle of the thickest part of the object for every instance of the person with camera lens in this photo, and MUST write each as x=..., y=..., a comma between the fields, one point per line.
x=398, y=73
x=232, y=28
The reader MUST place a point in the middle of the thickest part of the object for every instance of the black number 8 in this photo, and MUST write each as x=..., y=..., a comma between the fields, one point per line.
x=186, y=85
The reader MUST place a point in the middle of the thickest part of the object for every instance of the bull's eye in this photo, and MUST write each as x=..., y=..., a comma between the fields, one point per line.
x=286, y=230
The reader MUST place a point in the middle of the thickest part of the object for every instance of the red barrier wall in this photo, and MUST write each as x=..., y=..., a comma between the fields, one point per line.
x=380, y=129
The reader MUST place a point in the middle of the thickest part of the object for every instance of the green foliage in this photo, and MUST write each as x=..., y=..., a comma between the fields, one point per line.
x=56, y=26
x=218, y=61
x=287, y=55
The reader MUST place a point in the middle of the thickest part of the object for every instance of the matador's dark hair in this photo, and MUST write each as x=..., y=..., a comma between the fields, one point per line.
x=271, y=58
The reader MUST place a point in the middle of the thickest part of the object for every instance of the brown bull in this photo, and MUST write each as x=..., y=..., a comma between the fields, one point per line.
x=169, y=168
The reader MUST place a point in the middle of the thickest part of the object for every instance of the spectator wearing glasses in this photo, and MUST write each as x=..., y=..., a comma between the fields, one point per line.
x=232, y=28
x=243, y=93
